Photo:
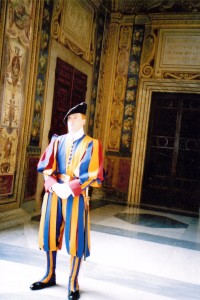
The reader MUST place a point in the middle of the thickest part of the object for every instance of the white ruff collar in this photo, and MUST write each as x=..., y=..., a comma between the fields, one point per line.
x=77, y=135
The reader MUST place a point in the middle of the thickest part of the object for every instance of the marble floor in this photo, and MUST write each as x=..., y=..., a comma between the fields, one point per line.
x=136, y=253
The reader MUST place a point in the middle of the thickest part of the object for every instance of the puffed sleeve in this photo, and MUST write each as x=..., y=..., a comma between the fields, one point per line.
x=48, y=163
x=90, y=168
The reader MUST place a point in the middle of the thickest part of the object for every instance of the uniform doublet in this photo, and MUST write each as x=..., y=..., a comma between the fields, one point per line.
x=80, y=163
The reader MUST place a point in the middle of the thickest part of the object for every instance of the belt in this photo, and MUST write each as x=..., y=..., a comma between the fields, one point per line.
x=64, y=177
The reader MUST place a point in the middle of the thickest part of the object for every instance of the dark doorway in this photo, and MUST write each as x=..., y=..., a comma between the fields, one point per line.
x=172, y=165
x=69, y=90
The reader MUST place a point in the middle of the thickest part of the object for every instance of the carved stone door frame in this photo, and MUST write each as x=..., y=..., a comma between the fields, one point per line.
x=145, y=89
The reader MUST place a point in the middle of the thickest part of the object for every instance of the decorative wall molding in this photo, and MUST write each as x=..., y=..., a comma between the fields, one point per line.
x=106, y=83
x=130, y=104
x=130, y=7
x=116, y=18
x=148, y=54
x=171, y=53
x=31, y=150
x=55, y=25
x=73, y=26
x=181, y=75
x=16, y=57
x=2, y=25
x=42, y=50
x=119, y=89
x=178, y=52
x=174, y=19
x=97, y=105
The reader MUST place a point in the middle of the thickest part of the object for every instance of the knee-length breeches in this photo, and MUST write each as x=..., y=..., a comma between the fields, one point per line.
x=64, y=215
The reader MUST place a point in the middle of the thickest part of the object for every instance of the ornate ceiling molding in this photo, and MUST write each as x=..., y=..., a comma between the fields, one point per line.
x=153, y=6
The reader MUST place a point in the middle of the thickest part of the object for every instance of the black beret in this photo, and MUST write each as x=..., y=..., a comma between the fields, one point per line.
x=80, y=108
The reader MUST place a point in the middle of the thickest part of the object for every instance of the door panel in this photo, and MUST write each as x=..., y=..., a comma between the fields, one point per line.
x=79, y=87
x=172, y=165
x=69, y=90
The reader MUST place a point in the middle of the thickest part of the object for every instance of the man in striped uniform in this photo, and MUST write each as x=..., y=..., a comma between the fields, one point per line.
x=70, y=164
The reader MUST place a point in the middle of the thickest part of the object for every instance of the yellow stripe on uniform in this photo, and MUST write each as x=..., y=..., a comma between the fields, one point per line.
x=54, y=167
x=74, y=223
x=64, y=204
x=62, y=227
x=73, y=271
x=50, y=268
x=80, y=150
x=53, y=218
x=41, y=229
x=94, y=164
x=88, y=231
x=68, y=146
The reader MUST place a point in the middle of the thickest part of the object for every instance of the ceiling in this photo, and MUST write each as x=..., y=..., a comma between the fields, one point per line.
x=152, y=6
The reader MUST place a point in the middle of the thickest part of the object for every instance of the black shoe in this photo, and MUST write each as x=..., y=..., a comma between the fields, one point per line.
x=73, y=295
x=41, y=285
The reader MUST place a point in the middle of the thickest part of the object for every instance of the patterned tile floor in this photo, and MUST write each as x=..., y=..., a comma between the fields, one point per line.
x=136, y=254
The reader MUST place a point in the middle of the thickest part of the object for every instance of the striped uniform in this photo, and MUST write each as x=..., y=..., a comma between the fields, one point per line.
x=81, y=162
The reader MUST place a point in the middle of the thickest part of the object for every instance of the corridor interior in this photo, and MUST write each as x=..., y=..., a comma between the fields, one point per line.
x=136, y=253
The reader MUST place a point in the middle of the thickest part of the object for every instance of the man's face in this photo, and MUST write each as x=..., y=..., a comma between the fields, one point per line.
x=75, y=122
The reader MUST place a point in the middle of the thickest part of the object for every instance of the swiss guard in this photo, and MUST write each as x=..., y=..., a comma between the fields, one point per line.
x=70, y=164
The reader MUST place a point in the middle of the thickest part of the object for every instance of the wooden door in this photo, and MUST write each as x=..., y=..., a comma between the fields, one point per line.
x=69, y=90
x=172, y=165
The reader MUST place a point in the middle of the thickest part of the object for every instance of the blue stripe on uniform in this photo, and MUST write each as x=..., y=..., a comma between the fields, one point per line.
x=73, y=273
x=85, y=164
x=68, y=221
x=61, y=158
x=76, y=143
x=59, y=218
x=47, y=223
x=80, y=246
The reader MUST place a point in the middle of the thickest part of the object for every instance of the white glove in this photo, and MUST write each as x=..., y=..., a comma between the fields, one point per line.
x=62, y=190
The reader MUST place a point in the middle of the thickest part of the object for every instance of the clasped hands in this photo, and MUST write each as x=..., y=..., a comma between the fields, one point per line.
x=62, y=190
